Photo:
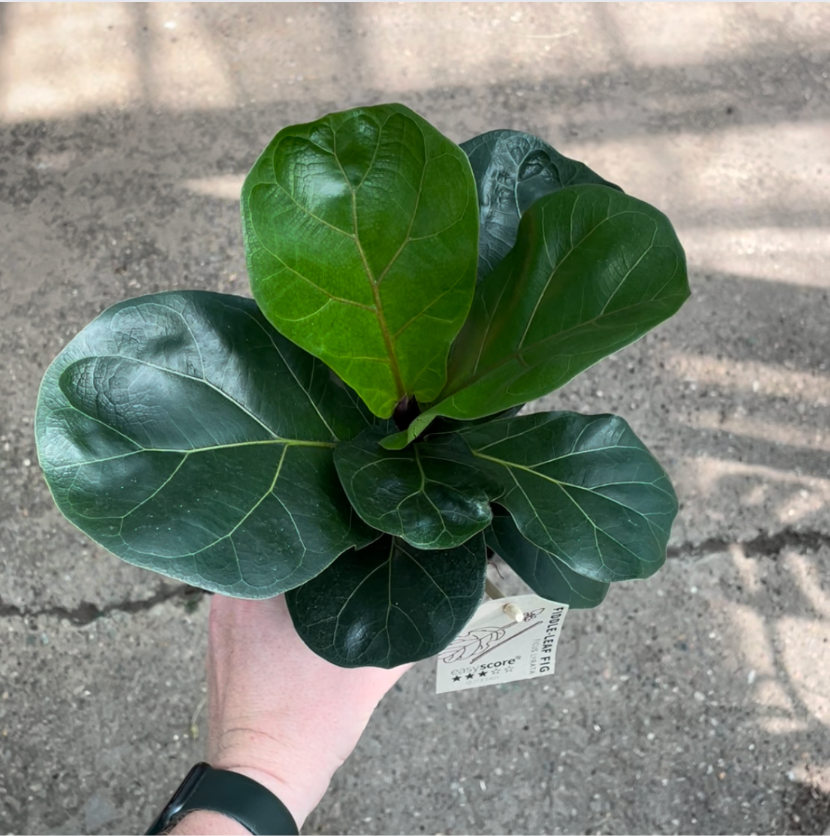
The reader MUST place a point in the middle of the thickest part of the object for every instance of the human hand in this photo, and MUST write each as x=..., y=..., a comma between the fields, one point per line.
x=278, y=713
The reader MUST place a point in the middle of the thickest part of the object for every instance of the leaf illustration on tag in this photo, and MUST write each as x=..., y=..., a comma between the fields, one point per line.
x=469, y=644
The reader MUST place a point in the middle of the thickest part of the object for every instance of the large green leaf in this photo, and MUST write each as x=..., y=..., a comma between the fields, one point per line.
x=390, y=603
x=583, y=488
x=544, y=573
x=592, y=271
x=361, y=233
x=432, y=494
x=512, y=171
x=185, y=435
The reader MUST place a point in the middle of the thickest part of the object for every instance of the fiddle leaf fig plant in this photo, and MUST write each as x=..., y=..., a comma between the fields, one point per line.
x=350, y=436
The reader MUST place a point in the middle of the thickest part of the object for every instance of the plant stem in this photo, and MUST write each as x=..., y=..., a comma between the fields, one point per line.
x=492, y=590
x=406, y=412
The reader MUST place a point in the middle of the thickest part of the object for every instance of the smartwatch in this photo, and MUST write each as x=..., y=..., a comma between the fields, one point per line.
x=234, y=795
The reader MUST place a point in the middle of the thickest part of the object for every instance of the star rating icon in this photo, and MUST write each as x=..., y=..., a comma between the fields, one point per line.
x=472, y=674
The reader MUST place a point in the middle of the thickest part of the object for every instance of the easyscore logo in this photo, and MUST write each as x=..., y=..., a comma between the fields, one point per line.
x=484, y=668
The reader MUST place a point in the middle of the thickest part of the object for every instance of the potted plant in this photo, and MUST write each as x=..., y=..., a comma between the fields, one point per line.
x=350, y=436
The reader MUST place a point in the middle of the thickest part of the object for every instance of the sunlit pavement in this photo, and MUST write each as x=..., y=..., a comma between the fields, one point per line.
x=695, y=702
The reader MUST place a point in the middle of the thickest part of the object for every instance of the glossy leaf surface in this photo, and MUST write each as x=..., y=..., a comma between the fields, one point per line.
x=361, y=235
x=432, y=494
x=512, y=171
x=390, y=603
x=544, y=573
x=185, y=435
x=592, y=271
x=582, y=487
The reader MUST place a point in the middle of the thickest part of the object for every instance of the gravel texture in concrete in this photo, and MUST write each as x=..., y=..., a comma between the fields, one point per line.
x=695, y=702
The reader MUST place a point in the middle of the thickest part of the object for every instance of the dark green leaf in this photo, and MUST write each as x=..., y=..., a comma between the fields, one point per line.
x=592, y=271
x=185, y=435
x=361, y=234
x=432, y=494
x=390, y=603
x=512, y=171
x=544, y=573
x=581, y=487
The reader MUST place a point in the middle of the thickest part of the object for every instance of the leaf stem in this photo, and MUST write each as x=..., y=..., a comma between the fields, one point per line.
x=406, y=412
x=492, y=590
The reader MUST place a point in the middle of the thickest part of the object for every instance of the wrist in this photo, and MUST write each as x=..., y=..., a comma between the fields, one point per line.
x=299, y=777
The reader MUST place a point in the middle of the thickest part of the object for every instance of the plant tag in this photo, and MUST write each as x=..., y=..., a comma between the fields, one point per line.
x=506, y=640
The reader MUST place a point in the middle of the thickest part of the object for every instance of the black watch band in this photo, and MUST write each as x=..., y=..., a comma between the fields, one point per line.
x=234, y=795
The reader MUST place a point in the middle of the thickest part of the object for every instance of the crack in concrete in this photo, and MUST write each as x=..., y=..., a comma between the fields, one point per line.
x=764, y=545
x=86, y=612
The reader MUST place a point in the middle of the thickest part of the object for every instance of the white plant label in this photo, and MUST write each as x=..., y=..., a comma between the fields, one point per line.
x=506, y=640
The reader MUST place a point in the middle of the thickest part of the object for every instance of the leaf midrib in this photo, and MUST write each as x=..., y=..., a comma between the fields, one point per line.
x=189, y=452
x=375, y=283
x=514, y=466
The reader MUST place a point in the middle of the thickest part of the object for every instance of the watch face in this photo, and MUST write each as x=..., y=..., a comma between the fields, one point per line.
x=179, y=798
x=189, y=784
